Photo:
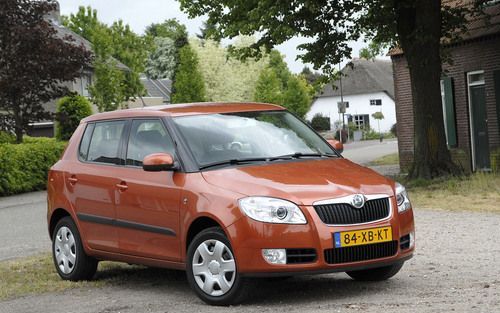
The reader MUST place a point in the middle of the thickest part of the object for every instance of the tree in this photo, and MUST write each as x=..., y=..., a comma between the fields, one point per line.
x=378, y=116
x=70, y=111
x=298, y=96
x=371, y=51
x=112, y=83
x=268, y=87
x=188, y=86
x=313, y=78
x=170, y=28
x=416, y=26
x=34, y=62
x=161, y=62
x=226, y=77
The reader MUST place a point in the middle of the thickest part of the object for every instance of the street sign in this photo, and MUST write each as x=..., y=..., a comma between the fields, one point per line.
x=342, y=106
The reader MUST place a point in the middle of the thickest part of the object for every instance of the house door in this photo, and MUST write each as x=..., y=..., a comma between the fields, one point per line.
x=479, y=121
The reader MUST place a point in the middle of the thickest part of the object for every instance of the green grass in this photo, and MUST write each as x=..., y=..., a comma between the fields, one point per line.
x=390, y=159
x=35, y=275
x=479, y=192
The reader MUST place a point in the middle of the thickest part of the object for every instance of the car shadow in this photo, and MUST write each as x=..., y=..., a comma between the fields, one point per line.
x=269, y=291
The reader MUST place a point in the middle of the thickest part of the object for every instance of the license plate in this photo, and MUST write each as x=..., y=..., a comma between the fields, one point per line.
x=362, y=237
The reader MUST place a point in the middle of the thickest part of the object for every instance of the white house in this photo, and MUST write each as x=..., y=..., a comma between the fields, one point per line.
x=367, y=87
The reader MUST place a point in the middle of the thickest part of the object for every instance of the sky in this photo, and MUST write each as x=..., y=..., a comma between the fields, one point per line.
x=140, y=13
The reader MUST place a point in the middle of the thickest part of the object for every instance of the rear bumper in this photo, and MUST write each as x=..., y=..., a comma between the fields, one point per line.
x=249, y=237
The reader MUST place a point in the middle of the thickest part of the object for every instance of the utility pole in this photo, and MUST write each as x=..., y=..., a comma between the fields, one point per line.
x=341, y=101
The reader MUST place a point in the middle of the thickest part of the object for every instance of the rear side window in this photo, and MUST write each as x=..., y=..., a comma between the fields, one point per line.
x=84, y=144
x=105, y=142
x=147, y=137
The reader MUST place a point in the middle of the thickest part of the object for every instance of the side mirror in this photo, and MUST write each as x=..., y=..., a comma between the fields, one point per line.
x=157, y=162
x=339, y=146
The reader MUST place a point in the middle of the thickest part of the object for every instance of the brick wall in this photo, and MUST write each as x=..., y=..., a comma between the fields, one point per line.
x=482, y=54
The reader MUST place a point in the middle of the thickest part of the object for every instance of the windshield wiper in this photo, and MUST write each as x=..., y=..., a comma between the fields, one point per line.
x=298, y=155
x=234, y=162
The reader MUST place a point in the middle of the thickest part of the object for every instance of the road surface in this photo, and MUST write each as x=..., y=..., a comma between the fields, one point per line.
x=455, y=269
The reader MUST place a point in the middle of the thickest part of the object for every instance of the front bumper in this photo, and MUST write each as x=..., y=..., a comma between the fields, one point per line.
x=249, y=237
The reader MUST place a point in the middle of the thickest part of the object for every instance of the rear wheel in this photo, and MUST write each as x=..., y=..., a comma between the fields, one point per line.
x=376, y=274
x=70, y=259
x=212, y=271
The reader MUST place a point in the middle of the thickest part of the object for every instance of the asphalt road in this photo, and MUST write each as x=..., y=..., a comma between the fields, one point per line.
x=455, y=269
x=23, y=226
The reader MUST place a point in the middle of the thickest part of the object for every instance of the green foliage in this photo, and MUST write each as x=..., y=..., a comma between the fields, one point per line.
x=170, y=28
x=378, y=115
x=320, y=122
x=189, y=85
x=268, y=88
x=298, y=96
x=6, y=137
x=34, y=60
x=373, y=50
x=107, y=91
x=113, y=84
x=162, y=60
x=394, y=130
x=24, y=167
x=69, y=112
x=226, y=77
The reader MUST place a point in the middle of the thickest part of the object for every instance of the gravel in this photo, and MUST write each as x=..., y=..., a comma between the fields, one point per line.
x=456, y=269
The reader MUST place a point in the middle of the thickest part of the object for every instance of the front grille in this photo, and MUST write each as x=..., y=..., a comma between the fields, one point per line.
x=361, y=253
x=294, y=256
x=344, y=213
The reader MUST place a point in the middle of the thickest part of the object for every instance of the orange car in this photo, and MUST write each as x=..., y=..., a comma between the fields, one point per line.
x=225, y=191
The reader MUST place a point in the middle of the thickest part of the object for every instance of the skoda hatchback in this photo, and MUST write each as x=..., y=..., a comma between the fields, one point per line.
x=224, y=191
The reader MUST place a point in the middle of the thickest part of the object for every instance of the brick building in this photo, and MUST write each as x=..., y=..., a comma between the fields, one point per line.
x=470, y=89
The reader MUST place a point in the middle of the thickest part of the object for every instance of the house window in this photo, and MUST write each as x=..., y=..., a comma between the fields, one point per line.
x=362, y=121
x=448, y=104
x=86, y=81
x=376, y=102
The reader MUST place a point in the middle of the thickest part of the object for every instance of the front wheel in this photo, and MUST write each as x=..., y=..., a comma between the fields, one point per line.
x=376, y=274
x=69, y=257
x=212, y=271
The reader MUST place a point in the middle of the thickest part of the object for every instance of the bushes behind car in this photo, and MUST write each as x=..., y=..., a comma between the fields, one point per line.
x=24, y=167
x=70, y=111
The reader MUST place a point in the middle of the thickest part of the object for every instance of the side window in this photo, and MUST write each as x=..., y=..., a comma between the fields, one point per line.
x=105, y=142
x=147, y=137
x=84, y=144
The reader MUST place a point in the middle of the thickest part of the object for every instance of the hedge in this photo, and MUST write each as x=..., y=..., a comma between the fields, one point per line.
x=24, y=167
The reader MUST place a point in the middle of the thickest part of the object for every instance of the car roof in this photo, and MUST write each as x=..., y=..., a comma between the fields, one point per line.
x=185, y=109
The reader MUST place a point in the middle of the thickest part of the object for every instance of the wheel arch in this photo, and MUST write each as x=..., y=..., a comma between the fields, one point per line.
x=56, y=216
x=198, y=225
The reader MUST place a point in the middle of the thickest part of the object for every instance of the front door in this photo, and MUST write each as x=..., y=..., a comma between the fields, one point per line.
x=148, y=202
x=479, y=121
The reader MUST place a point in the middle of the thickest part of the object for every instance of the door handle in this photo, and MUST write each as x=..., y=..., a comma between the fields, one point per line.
x=122, y=186
x=72, y=180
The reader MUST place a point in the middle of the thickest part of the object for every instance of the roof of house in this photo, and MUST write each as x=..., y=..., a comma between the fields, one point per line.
x=185, y=109
x=477, y=25
x=158, y=87
x=361, y=77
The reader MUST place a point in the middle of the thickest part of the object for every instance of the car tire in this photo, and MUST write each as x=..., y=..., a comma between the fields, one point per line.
x=70, y=260
x=212, y=271
x=376, y=274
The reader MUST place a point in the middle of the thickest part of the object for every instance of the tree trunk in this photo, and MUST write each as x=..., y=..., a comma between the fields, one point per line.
x=419, y=28
x=18, y=124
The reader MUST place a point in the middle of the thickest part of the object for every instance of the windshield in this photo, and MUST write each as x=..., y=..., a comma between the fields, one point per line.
x=248, y=135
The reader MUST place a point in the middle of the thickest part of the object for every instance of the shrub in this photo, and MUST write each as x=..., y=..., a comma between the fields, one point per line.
x=394, y=129
x=70, y=111
x=24, y=167
x=320, y=122
x=6, y=137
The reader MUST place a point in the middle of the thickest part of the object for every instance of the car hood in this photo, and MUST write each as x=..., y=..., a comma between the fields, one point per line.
x=302, y=181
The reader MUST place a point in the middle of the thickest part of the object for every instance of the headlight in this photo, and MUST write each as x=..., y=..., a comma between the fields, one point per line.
x=272, y=210
x=402, y=198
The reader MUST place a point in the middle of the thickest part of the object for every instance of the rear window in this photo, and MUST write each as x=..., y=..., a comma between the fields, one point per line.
x=105, y=142
x=84, y=144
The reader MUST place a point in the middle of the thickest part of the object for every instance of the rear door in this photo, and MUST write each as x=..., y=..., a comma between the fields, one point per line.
x=148, y=202
x=92, y=182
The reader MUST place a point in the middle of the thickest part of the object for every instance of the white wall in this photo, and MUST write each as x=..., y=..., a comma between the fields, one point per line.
x=358, y=104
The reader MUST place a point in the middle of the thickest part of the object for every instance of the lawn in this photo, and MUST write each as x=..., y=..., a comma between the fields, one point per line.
x=479, y=192
x=390, y=159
